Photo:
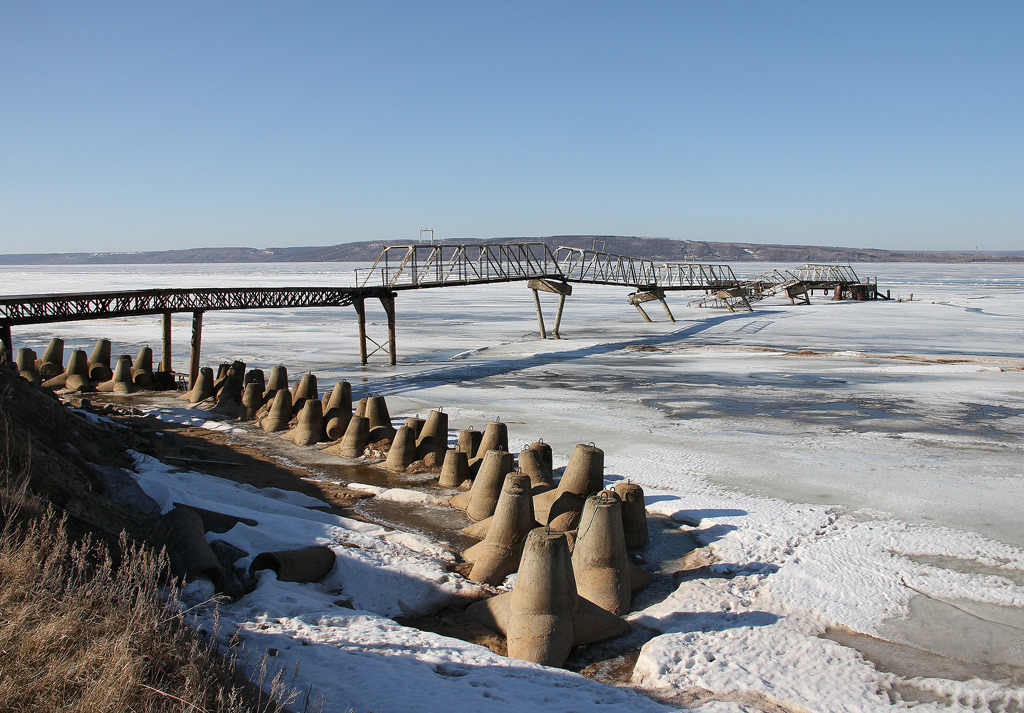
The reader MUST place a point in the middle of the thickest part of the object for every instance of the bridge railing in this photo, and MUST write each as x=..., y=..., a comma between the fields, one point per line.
x=438, y=265
x=824, y=273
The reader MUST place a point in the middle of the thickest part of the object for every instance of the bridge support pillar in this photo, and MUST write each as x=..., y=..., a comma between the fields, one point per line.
x=360, y=306
x=389, y=306
x=5, y=340
x=638, y=298
x=559, y=288
x=540, y=315
x=165, y=361
x=558, y=316
x=197, y=340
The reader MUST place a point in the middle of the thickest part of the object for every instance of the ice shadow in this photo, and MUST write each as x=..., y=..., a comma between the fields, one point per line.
x=387, y=384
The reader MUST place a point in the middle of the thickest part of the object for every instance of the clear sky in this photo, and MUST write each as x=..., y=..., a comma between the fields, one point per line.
x=143, y=125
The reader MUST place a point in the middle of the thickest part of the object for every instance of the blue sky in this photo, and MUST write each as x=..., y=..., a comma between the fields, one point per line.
x=153, y=125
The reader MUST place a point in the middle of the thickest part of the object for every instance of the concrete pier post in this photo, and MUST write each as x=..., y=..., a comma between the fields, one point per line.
x=540, y=315
x=197, y=340
x=165, y=360
x=558, y=316
x=664, y=303
x=5, y=338
x=643, y=314
x=360, y=306
x=389, y=306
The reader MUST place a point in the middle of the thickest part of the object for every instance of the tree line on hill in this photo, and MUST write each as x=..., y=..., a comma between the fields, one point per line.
x=658, y=249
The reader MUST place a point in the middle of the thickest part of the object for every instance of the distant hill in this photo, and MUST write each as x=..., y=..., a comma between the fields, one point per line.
x=661, y=249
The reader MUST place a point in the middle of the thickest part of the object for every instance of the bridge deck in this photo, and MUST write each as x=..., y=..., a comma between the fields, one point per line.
x=38, y=309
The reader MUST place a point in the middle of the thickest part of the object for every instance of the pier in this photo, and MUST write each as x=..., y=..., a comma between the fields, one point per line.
x=428, y=266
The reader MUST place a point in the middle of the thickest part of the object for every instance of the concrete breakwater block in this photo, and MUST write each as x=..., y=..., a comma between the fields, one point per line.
x=634, y=514
x=309, y=564
x=543, y=616
x=402, y=451
x=278, y=381
x=26, y=362
x=142, y=369
x=469, y=442
x=252, y=399
x=121, y=380
x=338, y=410
x=454, y=469
x=280, y=412
x=582, y=476
x=303, y=391
x=434, y=430
x=202, y=389
x=357, y=437
x=99, y=361
x=310, y=426
x=495, y=438
x=182, y=532
x=379, y=419
x=479, y=502
x=499, y=554
x=51, y=363
x=75, y=376
x=604, y=572
x=532, y=463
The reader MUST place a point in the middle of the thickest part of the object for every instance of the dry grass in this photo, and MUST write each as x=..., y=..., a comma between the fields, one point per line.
x=83, y=627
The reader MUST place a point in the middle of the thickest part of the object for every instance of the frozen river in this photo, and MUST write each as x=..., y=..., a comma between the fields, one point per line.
x=852, y=465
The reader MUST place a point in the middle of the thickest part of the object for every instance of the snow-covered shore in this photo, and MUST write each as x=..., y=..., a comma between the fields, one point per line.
x=848, y=466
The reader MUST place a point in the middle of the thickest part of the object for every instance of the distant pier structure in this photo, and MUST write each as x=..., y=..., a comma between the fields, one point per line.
x=437, y=265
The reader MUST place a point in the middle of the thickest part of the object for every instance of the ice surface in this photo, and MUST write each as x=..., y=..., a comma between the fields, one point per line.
x=841, y=463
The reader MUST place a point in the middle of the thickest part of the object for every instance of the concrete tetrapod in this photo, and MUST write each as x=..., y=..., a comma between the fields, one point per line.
x=252, y=399
x=142, y=371
x=380, y=419
x=121, y=381
x=498, y=555
x=230, y=394
x=99, y=361
x=202, y=389
x=495, y=438
x=583, y=475
x=416, y=424
x=306, y=565
x=436, y=429
x=304, y=390
x=634, y=514
x=280, y=412
x=532, y=463
x=454, y=470
x=181, y=530
x=469, y=442
x=26, y=361
x=544, y=451
x=604, y=572
x=77, y=373
x=357, y=437
x=338, y=410
x=256, y=376
x=403, y=449
x=51, y=363
x=543, y=616
x=482, y=498
x=310, y=428
x=278, y=381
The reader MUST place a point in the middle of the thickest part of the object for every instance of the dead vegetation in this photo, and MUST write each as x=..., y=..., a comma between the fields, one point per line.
x=90, y=623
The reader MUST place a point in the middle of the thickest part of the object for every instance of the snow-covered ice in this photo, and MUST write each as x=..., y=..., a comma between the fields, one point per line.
x=847, y=467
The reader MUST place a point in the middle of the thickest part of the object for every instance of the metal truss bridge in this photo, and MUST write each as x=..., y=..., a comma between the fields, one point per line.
x=408, y=267
x=403, y=267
